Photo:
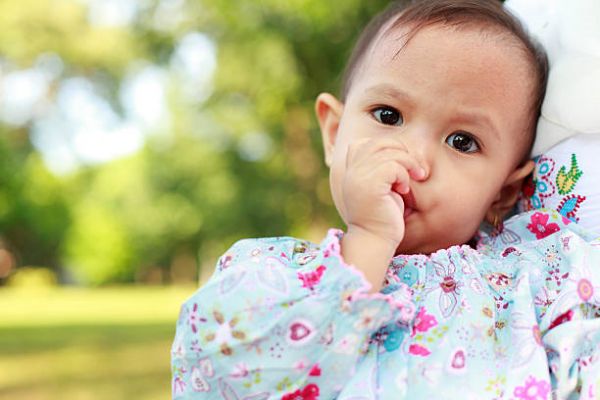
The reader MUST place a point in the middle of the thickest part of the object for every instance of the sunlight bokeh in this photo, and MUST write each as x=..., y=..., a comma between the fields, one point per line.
x=139, y=139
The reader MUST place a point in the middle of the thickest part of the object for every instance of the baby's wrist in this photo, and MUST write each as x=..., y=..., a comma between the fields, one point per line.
x=369, y=253
x=371, y=240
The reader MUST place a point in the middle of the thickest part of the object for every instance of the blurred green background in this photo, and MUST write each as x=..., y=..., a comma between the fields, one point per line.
x=138, y=140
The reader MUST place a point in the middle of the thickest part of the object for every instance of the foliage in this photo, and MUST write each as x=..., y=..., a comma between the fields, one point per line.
x=239, y=155
x=33, y=213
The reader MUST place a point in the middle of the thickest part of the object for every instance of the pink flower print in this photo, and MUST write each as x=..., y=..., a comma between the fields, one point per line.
x=580, y=287
x=552, y=257
x=310, y=392
x=368, y=319
x=407, y=311
x=565, y=240
x=583, y=283
x=225, y=261
x=561, y=319
x=300, y=365
x=418, y=350
x=315, y=370
x=312, y=278
x=544, y=299
x=195, y=346
x=423, y=322
x=533, y=390
x=526, y=337
x=178, y=385
x=585, y=289
x=239, y=370
x=347, y=345
x=540, y=227
x=448, y=287
x=498, y=280
x=194, y=318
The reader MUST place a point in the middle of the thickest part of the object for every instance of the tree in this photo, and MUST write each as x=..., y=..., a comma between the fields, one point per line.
x=240, y=155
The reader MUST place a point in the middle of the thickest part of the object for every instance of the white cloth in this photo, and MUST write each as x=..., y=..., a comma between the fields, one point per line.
x=570, y=32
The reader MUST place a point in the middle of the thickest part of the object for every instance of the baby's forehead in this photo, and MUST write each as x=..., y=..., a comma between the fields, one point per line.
x=409, y=46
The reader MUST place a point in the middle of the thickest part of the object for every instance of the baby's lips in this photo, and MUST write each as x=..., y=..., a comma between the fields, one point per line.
x=409, y=200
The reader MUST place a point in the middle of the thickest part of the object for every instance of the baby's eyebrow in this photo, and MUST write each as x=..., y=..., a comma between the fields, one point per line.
x=388, y=91
x=478, y=118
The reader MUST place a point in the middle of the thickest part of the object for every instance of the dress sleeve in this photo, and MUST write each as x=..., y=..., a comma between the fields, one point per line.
x=280, y=318
x=568, y=305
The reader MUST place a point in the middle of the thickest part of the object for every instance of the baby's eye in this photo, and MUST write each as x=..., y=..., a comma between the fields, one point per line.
x=462, y=142
x=388, y=116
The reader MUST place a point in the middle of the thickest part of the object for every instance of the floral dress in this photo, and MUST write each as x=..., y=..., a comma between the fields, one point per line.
x=516, y=318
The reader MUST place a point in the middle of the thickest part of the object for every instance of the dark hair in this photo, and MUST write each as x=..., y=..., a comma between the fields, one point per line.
x=458, y=13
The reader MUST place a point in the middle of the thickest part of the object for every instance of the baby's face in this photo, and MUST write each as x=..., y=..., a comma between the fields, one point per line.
x=459, y=101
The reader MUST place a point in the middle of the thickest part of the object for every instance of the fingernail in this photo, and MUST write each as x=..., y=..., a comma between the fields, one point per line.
x=419, y=173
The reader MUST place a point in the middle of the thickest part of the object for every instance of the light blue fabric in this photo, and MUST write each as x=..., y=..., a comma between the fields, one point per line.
x=281, y=318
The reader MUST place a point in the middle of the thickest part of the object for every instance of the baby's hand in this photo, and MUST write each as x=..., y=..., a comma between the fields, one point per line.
x=378, y=171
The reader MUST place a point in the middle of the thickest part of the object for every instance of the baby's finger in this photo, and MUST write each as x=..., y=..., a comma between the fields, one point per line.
x=366, y=147
x=413, y=164
x=394, y=176
x=405, y=159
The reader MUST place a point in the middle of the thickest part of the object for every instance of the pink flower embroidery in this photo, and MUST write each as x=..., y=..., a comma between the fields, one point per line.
x=418, y=350
x=423, y=322
x=310, y=392
x=312, y=278
x=540, y=227
x=533, y=390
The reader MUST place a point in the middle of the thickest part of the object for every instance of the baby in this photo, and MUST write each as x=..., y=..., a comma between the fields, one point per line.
x=431, y=136
x=433, y=130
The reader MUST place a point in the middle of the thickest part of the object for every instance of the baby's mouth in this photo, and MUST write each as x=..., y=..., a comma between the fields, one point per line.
x=409, y=203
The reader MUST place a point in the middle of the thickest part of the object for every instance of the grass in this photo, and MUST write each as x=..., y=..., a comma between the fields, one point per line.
x=85, y=344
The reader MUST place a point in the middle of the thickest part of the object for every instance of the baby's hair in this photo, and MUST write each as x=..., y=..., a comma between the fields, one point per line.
x=418, y=14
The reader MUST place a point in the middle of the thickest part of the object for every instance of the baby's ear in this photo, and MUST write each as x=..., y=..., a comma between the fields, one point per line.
x=329, y=113
x=510, y=192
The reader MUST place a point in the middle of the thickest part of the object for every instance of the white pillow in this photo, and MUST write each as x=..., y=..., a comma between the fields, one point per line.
x=566, y=178
x=570, y=33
